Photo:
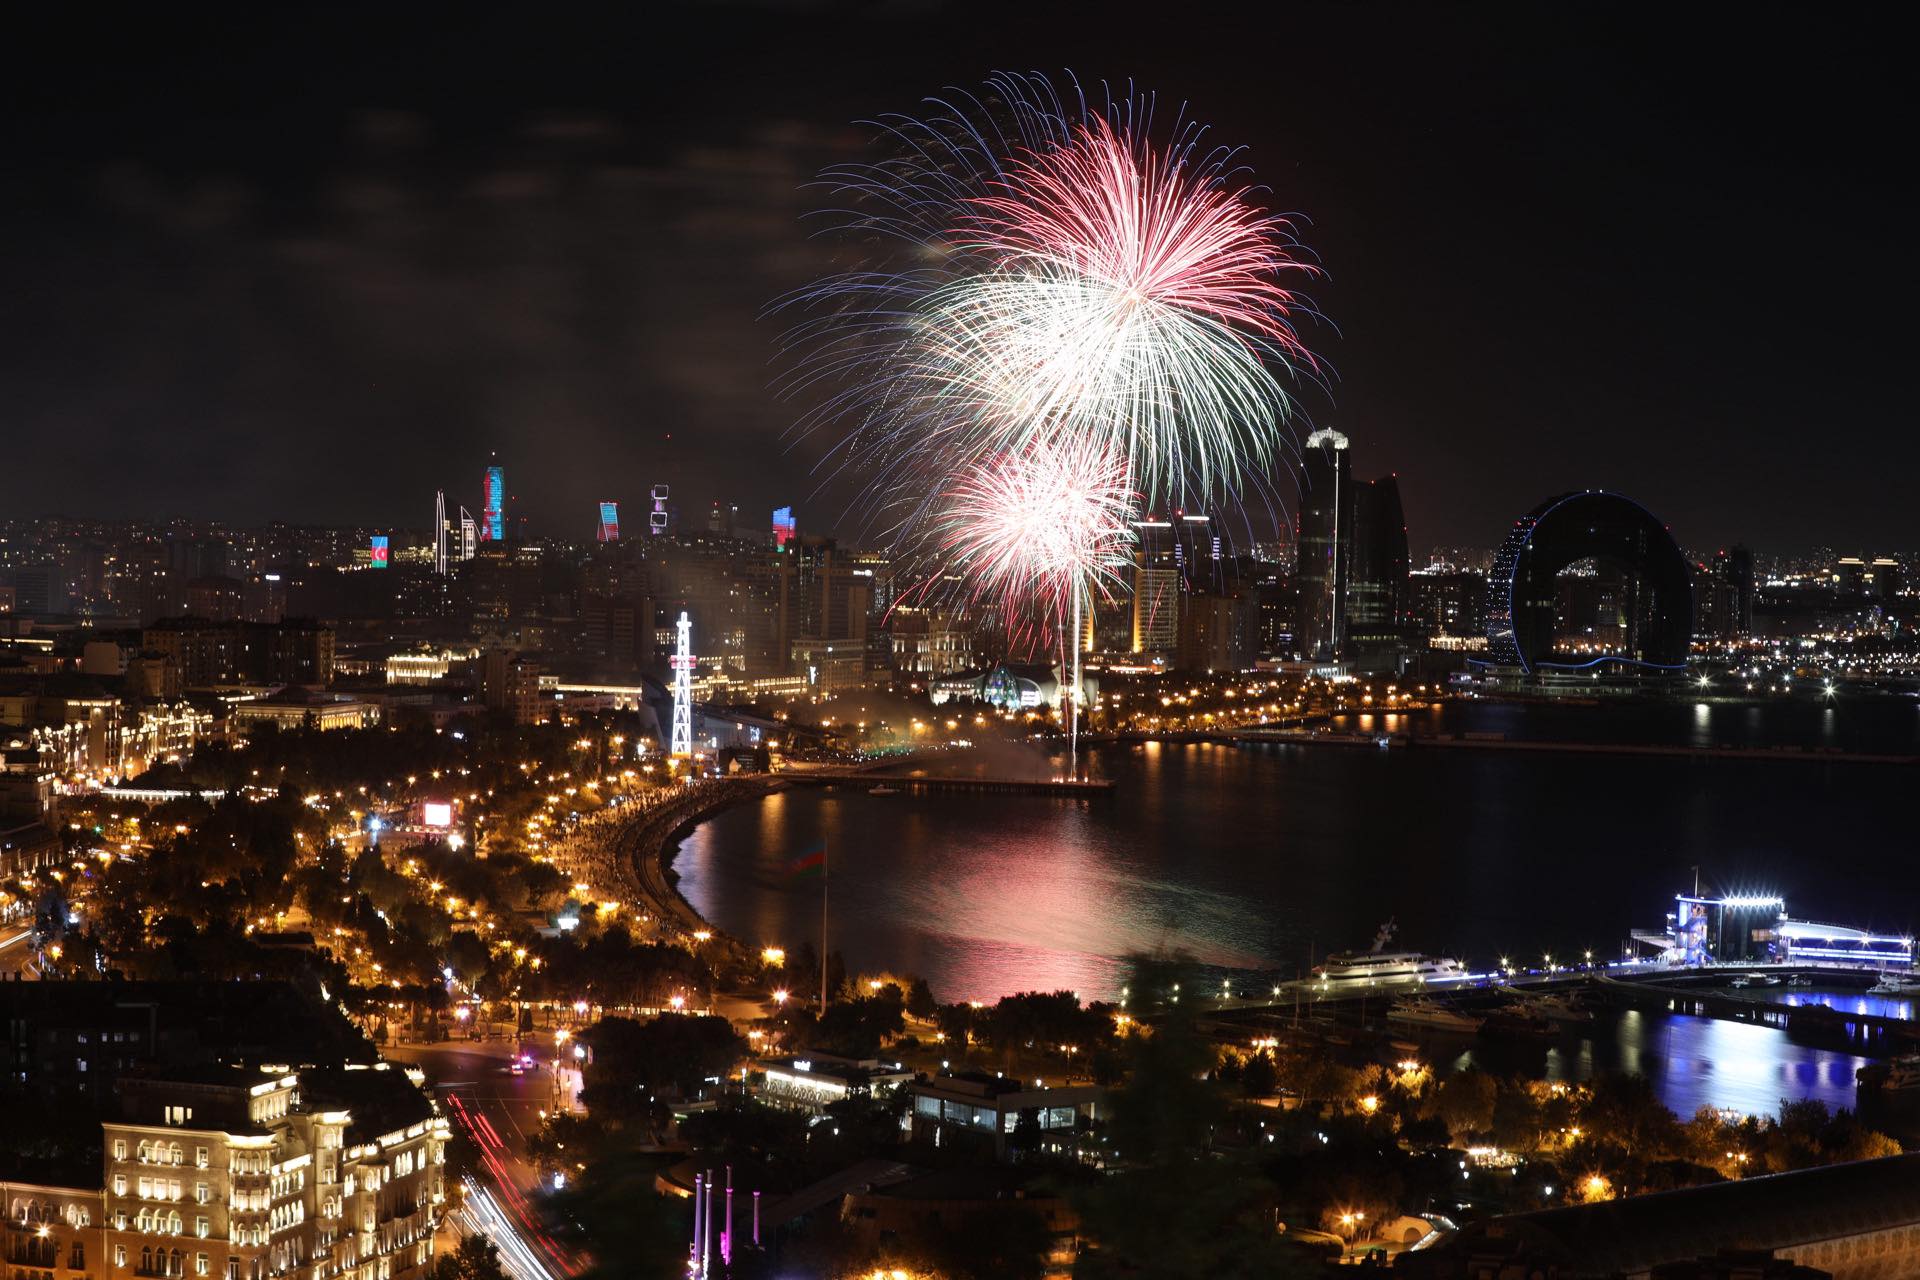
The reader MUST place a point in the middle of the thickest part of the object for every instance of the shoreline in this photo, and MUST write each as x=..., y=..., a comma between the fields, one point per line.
x=646, y=846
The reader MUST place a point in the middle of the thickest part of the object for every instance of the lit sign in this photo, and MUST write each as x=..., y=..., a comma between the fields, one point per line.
x=436, y=814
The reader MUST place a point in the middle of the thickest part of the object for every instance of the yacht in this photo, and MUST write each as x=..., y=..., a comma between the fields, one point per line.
x=1895, y=984
x=1429, y=1013
x=1377, y=964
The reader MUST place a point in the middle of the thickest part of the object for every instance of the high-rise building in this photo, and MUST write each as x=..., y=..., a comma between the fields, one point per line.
x=1884, y=574
x=469, y=536
x=609, y=522
x=1156, y=588
x=1723, y=595
x=493, y=514
x=660, y=517
x=783, y=527
x=439, y=531
x=1379, y=595
x=1325, y=543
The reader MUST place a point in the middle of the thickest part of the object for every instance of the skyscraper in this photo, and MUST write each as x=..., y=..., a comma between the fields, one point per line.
x=1156, y=588
x=1377, y=596
x=1325, y=543
x=609, y=522
x=440, y=531
x=493, y=516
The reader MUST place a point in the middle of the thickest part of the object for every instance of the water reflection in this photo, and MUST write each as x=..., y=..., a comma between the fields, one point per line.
x=1692, y=1062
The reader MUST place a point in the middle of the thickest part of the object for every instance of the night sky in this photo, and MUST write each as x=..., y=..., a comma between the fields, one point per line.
x=261, y=264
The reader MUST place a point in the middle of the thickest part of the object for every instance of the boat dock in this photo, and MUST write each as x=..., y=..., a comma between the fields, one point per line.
x=942, y=785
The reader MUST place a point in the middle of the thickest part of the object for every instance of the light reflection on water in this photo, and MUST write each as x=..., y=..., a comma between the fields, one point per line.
x=1692, y=1062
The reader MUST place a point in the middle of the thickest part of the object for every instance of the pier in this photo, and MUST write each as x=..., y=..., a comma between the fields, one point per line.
x=942, y=785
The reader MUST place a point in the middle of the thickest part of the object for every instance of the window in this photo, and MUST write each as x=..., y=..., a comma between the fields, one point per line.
x=77, y=1257
x=233, y=1269
x=79, y=1064
x=119, y=1255
x=199, y=1157
x=200, y=1264
x=200, y=1193
x=119, y=1148
x=200, y=1226
x=119, y=1184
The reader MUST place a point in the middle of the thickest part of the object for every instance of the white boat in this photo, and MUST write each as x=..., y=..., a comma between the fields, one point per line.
x=1895, y=984
x=1428, y=1013
x=884, y=790
x=1377, y=964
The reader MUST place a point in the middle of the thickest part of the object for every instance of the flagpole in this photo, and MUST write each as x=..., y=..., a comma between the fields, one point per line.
x=824, y=877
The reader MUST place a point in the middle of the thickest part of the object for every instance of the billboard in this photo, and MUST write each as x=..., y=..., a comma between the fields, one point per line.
x=609, y=522
x=783, y=527
x=435, y=813
x=379, y=548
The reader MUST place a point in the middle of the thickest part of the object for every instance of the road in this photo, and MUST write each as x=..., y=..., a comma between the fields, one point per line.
x=16, y=952
x=498, y=1112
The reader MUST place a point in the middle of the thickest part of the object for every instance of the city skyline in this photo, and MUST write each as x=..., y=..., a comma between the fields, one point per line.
x=403, y=265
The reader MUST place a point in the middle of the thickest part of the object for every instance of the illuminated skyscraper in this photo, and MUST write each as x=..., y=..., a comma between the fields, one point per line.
x=609, y=522
x=783, y=527
x=1325, y=543
x=493, y=517
x=440, y=531
x=659, y=519
x=469, y=535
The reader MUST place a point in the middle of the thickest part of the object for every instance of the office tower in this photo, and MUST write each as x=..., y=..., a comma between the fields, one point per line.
x=1378, y=592
x=440, y=531
x=1156, y=588
x=377, y=551
x=783, y=527
x=1325, y=543
x=724, y=519
x=1723, y=595
x=469, y=536
x=493, y=514
x=659, y=519
x=609, y=522
x=1884, y=572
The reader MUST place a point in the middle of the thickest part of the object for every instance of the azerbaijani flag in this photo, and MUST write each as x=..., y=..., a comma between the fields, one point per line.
x=812, y=862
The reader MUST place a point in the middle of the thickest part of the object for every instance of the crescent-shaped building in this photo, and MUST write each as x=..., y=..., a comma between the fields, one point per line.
x=1592, y=524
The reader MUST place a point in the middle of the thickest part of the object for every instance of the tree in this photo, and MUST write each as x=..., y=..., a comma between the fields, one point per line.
x=1259, y=1078
x=635, y=1063
x=1171, y=1206
x=920, y=1001
x=1465, y=1102
x=476, y=1258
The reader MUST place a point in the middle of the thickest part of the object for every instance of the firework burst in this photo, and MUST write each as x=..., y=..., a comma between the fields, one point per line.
x=1036, y=532
x=1060, y=273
